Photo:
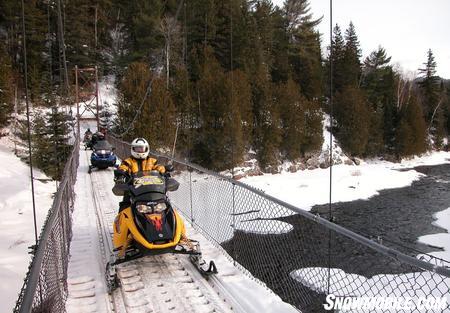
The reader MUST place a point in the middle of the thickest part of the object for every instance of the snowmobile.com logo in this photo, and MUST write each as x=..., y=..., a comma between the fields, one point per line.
x=369, y=304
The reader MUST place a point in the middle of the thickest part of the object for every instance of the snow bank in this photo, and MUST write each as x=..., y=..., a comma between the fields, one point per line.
x=17, y=220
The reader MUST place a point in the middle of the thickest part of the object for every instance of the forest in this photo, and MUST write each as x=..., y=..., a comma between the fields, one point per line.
x=227, y=77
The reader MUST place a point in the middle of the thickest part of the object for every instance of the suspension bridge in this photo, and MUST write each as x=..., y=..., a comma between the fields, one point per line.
x=234, y=221
x=282, y=249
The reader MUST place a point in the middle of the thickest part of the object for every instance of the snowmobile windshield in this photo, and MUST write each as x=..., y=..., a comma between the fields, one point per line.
x=102, y=145
x=147, y=188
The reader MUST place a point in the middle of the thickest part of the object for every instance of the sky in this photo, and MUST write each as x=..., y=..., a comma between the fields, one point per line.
x=405, y=28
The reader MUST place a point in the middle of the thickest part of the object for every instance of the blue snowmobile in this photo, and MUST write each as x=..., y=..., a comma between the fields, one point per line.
x=102, y=156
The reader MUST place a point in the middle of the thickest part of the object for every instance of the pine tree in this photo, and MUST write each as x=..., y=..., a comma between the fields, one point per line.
x=378, y=81
x=336, y=56
x=353, y=120
x=132, y=90
x=187, y=115
x=304, y=47
x=352, y=54
x=57, y=129
x=431, y=101
x=157, y=122
x=6, y=88
x=148, y=39
x=411, y=130
x=292, y=118
x=301, y=121
x=86, y=31
x=220, y=134
x=280, y=69
x=267, y=132
x=242, y=104
x=105, y=116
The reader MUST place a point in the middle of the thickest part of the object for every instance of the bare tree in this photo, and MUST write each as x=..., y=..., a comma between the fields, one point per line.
x=173, y=43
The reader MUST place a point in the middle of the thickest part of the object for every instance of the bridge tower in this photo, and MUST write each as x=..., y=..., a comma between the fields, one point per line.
x=86, y=91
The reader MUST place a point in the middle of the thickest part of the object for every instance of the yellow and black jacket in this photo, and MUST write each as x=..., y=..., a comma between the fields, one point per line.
x=132, y=166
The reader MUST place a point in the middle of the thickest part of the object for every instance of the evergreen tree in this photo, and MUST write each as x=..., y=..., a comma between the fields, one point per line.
x=57, y=129
x=157, y=121
x=105, y=116
x=132, y=89
x=267, y=132
x=336, y=56
x=242, y=102
x=147, y=38
x=430, y=91
x=6, y=88
x=353, y=120
x=352, y=54
x=411, y=130
x=86, y=32
x=187, y=115
x=50, y=146
x=304, y=47
x=220, y=143
x=280, y=68
x=378, y=81
x=292, y=118
x=301, y=122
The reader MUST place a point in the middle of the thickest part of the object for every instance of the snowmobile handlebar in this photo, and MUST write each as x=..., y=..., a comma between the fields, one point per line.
x=123, y=180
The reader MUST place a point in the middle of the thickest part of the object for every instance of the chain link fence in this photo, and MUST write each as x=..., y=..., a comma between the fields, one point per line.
x=302, y=257
x=45, y=285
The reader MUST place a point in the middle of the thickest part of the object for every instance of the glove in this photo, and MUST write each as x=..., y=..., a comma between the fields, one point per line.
x=121, y=177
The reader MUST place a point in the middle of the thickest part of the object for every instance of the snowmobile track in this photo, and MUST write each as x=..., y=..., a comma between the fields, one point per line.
x=161, y=283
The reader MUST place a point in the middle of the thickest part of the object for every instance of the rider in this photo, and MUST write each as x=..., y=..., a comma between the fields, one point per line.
x=98, y=136
x=87, y=135
x=139, y=161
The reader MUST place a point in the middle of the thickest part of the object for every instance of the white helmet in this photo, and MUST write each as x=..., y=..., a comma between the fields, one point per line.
x=139, y=148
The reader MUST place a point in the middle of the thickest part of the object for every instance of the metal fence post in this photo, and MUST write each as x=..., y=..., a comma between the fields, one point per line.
x=190, y=196
x=234, y=226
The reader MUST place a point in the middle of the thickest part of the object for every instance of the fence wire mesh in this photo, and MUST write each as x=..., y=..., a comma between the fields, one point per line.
x=45, y=285
x=300, y=256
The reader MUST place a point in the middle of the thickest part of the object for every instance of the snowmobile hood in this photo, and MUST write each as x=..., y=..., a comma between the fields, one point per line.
x=148, y=188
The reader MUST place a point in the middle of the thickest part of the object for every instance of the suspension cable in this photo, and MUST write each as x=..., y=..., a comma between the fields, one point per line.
x=331, y=143
x=63, y=47
x=28, y=121
x=232, y=89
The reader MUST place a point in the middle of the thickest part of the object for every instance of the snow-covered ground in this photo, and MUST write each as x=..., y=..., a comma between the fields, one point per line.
x=17, y=220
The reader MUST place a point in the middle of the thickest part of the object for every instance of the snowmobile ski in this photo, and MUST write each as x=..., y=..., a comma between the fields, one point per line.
x=202, y=266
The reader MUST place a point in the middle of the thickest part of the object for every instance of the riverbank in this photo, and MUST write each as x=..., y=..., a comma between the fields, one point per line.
x=405, y=201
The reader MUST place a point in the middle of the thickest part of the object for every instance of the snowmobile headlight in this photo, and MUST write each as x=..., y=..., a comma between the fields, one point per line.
x=159, y=207
x=142, y=208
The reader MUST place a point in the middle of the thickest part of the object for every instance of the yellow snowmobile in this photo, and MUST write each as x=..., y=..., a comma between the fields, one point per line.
x=150, y=225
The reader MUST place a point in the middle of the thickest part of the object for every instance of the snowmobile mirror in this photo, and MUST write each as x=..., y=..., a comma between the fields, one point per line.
x=120, y=175
x=172, y=184
x=119, y=189
x=169, y=168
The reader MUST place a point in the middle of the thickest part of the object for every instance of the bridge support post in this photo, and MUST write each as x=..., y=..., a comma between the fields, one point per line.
x=86, y=91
